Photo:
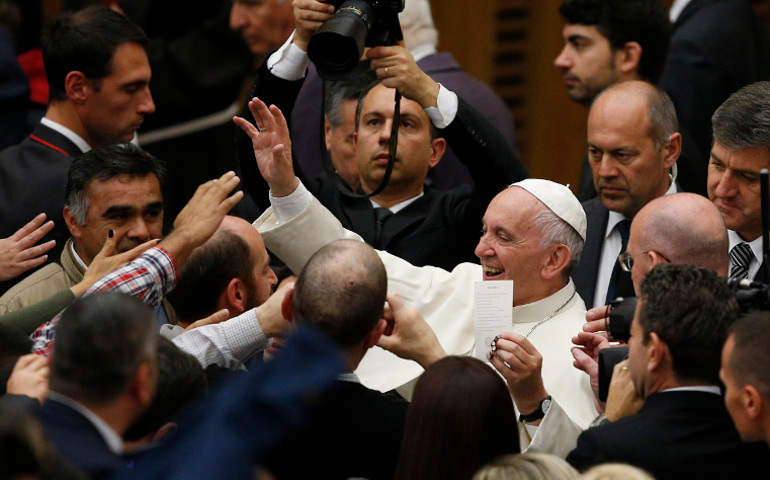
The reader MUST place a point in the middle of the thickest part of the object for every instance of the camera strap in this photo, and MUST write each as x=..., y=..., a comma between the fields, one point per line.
x=331, y=172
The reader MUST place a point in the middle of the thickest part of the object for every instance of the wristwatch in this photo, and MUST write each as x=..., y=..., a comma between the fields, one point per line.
x=542, y=409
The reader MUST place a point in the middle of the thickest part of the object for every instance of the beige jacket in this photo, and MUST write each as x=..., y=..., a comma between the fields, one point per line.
x=45, y=282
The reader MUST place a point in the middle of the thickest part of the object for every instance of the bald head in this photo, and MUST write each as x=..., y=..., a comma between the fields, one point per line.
x=686, y=228
x=342, y=291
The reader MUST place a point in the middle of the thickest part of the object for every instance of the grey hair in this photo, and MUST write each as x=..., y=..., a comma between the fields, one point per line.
x=662, y=114
x=362, y=78
x=743, y=120
x=556, y=231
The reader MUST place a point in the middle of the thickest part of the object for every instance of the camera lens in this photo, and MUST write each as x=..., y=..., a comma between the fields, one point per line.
x=338, y=45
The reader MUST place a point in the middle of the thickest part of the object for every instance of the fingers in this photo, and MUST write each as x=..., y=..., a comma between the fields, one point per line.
x=279, y=119
x=597, y=313
x=246, y=126
x=32, y=362
x=216, y=317
x=395, y=301
x=596, y=326
x=31, y=227
x=584, y=361
x=519, y=340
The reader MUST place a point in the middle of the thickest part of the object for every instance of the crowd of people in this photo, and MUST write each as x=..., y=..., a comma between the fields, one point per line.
x=319, y=311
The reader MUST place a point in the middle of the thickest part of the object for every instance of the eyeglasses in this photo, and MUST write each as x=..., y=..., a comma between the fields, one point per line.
x=626, y=260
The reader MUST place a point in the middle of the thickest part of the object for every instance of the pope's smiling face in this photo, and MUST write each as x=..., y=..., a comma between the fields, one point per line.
x=510, y=247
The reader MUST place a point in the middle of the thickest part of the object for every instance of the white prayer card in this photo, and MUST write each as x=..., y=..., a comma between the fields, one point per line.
x=494, y=313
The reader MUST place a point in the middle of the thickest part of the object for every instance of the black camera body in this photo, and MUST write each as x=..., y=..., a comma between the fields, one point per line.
x=339, y=44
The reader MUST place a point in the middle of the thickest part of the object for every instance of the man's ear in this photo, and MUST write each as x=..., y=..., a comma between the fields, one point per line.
x=658, y=354
x=375, y=334
x=287, y=307
x=328, y=133
x=627, y=59
x=671, y=150
x=437, y=149
x=144, y=384
x=556, y=262
x=235, y=295
x=72, y=223
x=77, y=86
x=752, y=401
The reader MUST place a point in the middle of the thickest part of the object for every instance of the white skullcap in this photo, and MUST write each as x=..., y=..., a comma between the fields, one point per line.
x=559, y=199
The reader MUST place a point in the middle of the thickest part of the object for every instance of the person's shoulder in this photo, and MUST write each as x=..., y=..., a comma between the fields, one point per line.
x=38, y=286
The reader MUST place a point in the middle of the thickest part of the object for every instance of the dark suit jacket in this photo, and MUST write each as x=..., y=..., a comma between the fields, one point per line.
x=676, y=435
x=352, y=432
x=442, y=68
x=439, y=229
x=717, y=47
x=77, y=440
x=585, y=272
x=33, y=177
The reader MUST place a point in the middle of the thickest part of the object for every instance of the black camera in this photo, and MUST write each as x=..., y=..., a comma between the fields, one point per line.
x=338, y=45
x=619, y=317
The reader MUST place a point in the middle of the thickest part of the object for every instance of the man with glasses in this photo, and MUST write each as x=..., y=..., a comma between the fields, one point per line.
x=632, y=145
x=683, y=228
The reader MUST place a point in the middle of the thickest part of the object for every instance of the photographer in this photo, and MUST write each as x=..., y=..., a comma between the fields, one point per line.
x=408, y=218
x=681, y=321
x=679, y=228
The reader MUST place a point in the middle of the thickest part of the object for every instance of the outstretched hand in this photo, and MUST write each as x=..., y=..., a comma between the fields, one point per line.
x=586, y=356
x=18, y=253
x=519, y=362
x=272, y=146
x=397, y=69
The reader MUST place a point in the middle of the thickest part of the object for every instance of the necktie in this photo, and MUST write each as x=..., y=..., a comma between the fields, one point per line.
x=740, y=258
x=620, y=281
x=380, y=215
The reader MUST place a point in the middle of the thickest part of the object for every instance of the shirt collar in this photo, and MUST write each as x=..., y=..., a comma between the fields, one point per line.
x=615, y=217
x=110, y=436
x=71, y=136
x=756, y=244
x=421, y=51
x=698, y=388
x=676, y=9
x=399, y=206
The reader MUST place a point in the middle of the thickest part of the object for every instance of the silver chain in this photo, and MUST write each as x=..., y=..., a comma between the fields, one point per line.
x=551, y=315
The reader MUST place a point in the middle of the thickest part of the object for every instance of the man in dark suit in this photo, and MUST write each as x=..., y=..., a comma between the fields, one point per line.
x=98, y=75
x=741, y=148
x=408, y=218
x=717, y=47
x=421, y=39
x=683, y=430
x=606, y=42
x=103, y=376
x=744, y=372
x=632, y=145
x=353, y=431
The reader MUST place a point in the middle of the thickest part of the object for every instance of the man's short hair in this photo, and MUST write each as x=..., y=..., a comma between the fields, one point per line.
x=690, y=308
x=621, y=21
x=85, y=41
x=743, y=120
x=103, y=164
x=749, y=363
x=556, y=231
x=181, y=379
x=341, y=291
x=207, y=273
x=100, y=342
x=361, y=79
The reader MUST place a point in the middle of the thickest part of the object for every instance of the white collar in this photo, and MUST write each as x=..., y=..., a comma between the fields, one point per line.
x=71, y=136
x=110, y=436
x=399, y=206
x=756, y=244
x=676, y=9
x=536, y=311
x=697, y=388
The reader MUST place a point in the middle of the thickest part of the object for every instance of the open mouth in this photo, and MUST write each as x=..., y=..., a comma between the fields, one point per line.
x=491, y=273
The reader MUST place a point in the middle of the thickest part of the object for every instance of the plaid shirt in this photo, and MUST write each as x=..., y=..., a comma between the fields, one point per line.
x=148, y=278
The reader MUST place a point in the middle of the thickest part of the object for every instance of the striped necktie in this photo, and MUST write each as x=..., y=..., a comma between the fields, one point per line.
x=740, y=258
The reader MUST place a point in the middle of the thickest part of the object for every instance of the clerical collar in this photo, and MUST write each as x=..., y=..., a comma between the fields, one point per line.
x=536, y=311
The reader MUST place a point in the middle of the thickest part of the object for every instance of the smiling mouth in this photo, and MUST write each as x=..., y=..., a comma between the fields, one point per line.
x=491, y=272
